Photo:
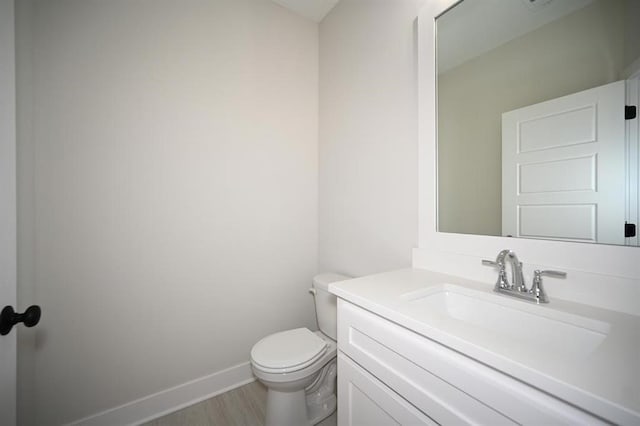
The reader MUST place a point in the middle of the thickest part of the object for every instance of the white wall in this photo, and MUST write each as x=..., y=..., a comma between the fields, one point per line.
x=368, y=136
x=172, y=149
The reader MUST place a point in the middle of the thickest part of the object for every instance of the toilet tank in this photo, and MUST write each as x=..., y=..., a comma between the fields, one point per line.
x=326, y=303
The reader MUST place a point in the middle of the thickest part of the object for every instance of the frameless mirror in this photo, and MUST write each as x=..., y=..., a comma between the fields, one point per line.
x=531, y=104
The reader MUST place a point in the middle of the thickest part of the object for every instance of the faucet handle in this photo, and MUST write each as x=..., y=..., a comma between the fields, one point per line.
x=502, y=282
x=556, y=274
x=536, y=287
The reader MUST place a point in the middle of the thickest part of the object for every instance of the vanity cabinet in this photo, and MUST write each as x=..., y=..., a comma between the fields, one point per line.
x=389, y=374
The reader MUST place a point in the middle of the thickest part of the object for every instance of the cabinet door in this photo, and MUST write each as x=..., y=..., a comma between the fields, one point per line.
x=365, y=401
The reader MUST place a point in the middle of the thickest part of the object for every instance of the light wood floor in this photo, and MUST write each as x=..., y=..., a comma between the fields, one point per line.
x=243, y=406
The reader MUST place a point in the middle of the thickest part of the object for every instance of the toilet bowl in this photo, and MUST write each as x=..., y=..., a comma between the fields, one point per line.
x=298, y=366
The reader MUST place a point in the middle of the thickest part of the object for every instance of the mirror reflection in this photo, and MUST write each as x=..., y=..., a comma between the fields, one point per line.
x=532, y=136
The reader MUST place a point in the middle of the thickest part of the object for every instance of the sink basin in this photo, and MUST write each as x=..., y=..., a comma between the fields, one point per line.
x=486, y=315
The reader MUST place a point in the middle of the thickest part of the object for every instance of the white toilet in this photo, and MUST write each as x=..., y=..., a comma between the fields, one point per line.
x=299, y=366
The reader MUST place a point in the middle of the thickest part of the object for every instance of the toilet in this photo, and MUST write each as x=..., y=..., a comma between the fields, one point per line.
x=298, y=366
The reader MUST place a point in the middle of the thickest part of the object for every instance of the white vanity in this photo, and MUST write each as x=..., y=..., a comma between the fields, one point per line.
x=419, y=347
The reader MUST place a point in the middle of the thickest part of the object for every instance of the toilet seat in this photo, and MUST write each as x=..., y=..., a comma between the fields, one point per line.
x=288, y=351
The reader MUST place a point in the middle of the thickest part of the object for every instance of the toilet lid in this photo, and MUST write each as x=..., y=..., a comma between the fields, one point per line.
x=288, y=350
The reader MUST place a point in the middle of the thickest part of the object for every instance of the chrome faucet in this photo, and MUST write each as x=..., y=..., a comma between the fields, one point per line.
x=518, y=288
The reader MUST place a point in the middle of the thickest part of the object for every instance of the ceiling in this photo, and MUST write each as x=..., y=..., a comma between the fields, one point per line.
x=315, y=10
x=475, y=27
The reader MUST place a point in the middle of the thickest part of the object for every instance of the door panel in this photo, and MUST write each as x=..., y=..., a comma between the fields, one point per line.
x=570, y=127
x=579, y=174
x=563, y=168
x=7, y=209
x=569, y=221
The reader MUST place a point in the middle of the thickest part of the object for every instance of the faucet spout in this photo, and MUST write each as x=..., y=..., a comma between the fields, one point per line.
x=517, y=277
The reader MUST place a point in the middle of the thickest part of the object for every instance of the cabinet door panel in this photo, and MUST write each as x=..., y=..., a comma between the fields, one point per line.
x=365, y=401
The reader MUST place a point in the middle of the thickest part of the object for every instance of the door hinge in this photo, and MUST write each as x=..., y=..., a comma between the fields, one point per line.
x=629, y=230
x=630, y=112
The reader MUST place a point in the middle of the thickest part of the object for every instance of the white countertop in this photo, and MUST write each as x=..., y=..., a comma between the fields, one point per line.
x=605, y=381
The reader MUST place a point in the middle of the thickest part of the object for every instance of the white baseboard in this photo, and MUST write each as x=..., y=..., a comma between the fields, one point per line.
x=172, y=399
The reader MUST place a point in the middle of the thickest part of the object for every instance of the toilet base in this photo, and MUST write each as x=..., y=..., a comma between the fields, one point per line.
x=318, y=413
x=304, y=407
x=286, y=408
x=321, y=395
x=290, y=409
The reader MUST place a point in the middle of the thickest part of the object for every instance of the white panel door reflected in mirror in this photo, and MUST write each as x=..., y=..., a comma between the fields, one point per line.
x=563, y=168
x=495, y=57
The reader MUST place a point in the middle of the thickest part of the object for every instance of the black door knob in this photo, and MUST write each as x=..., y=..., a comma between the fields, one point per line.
x=9, y=318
